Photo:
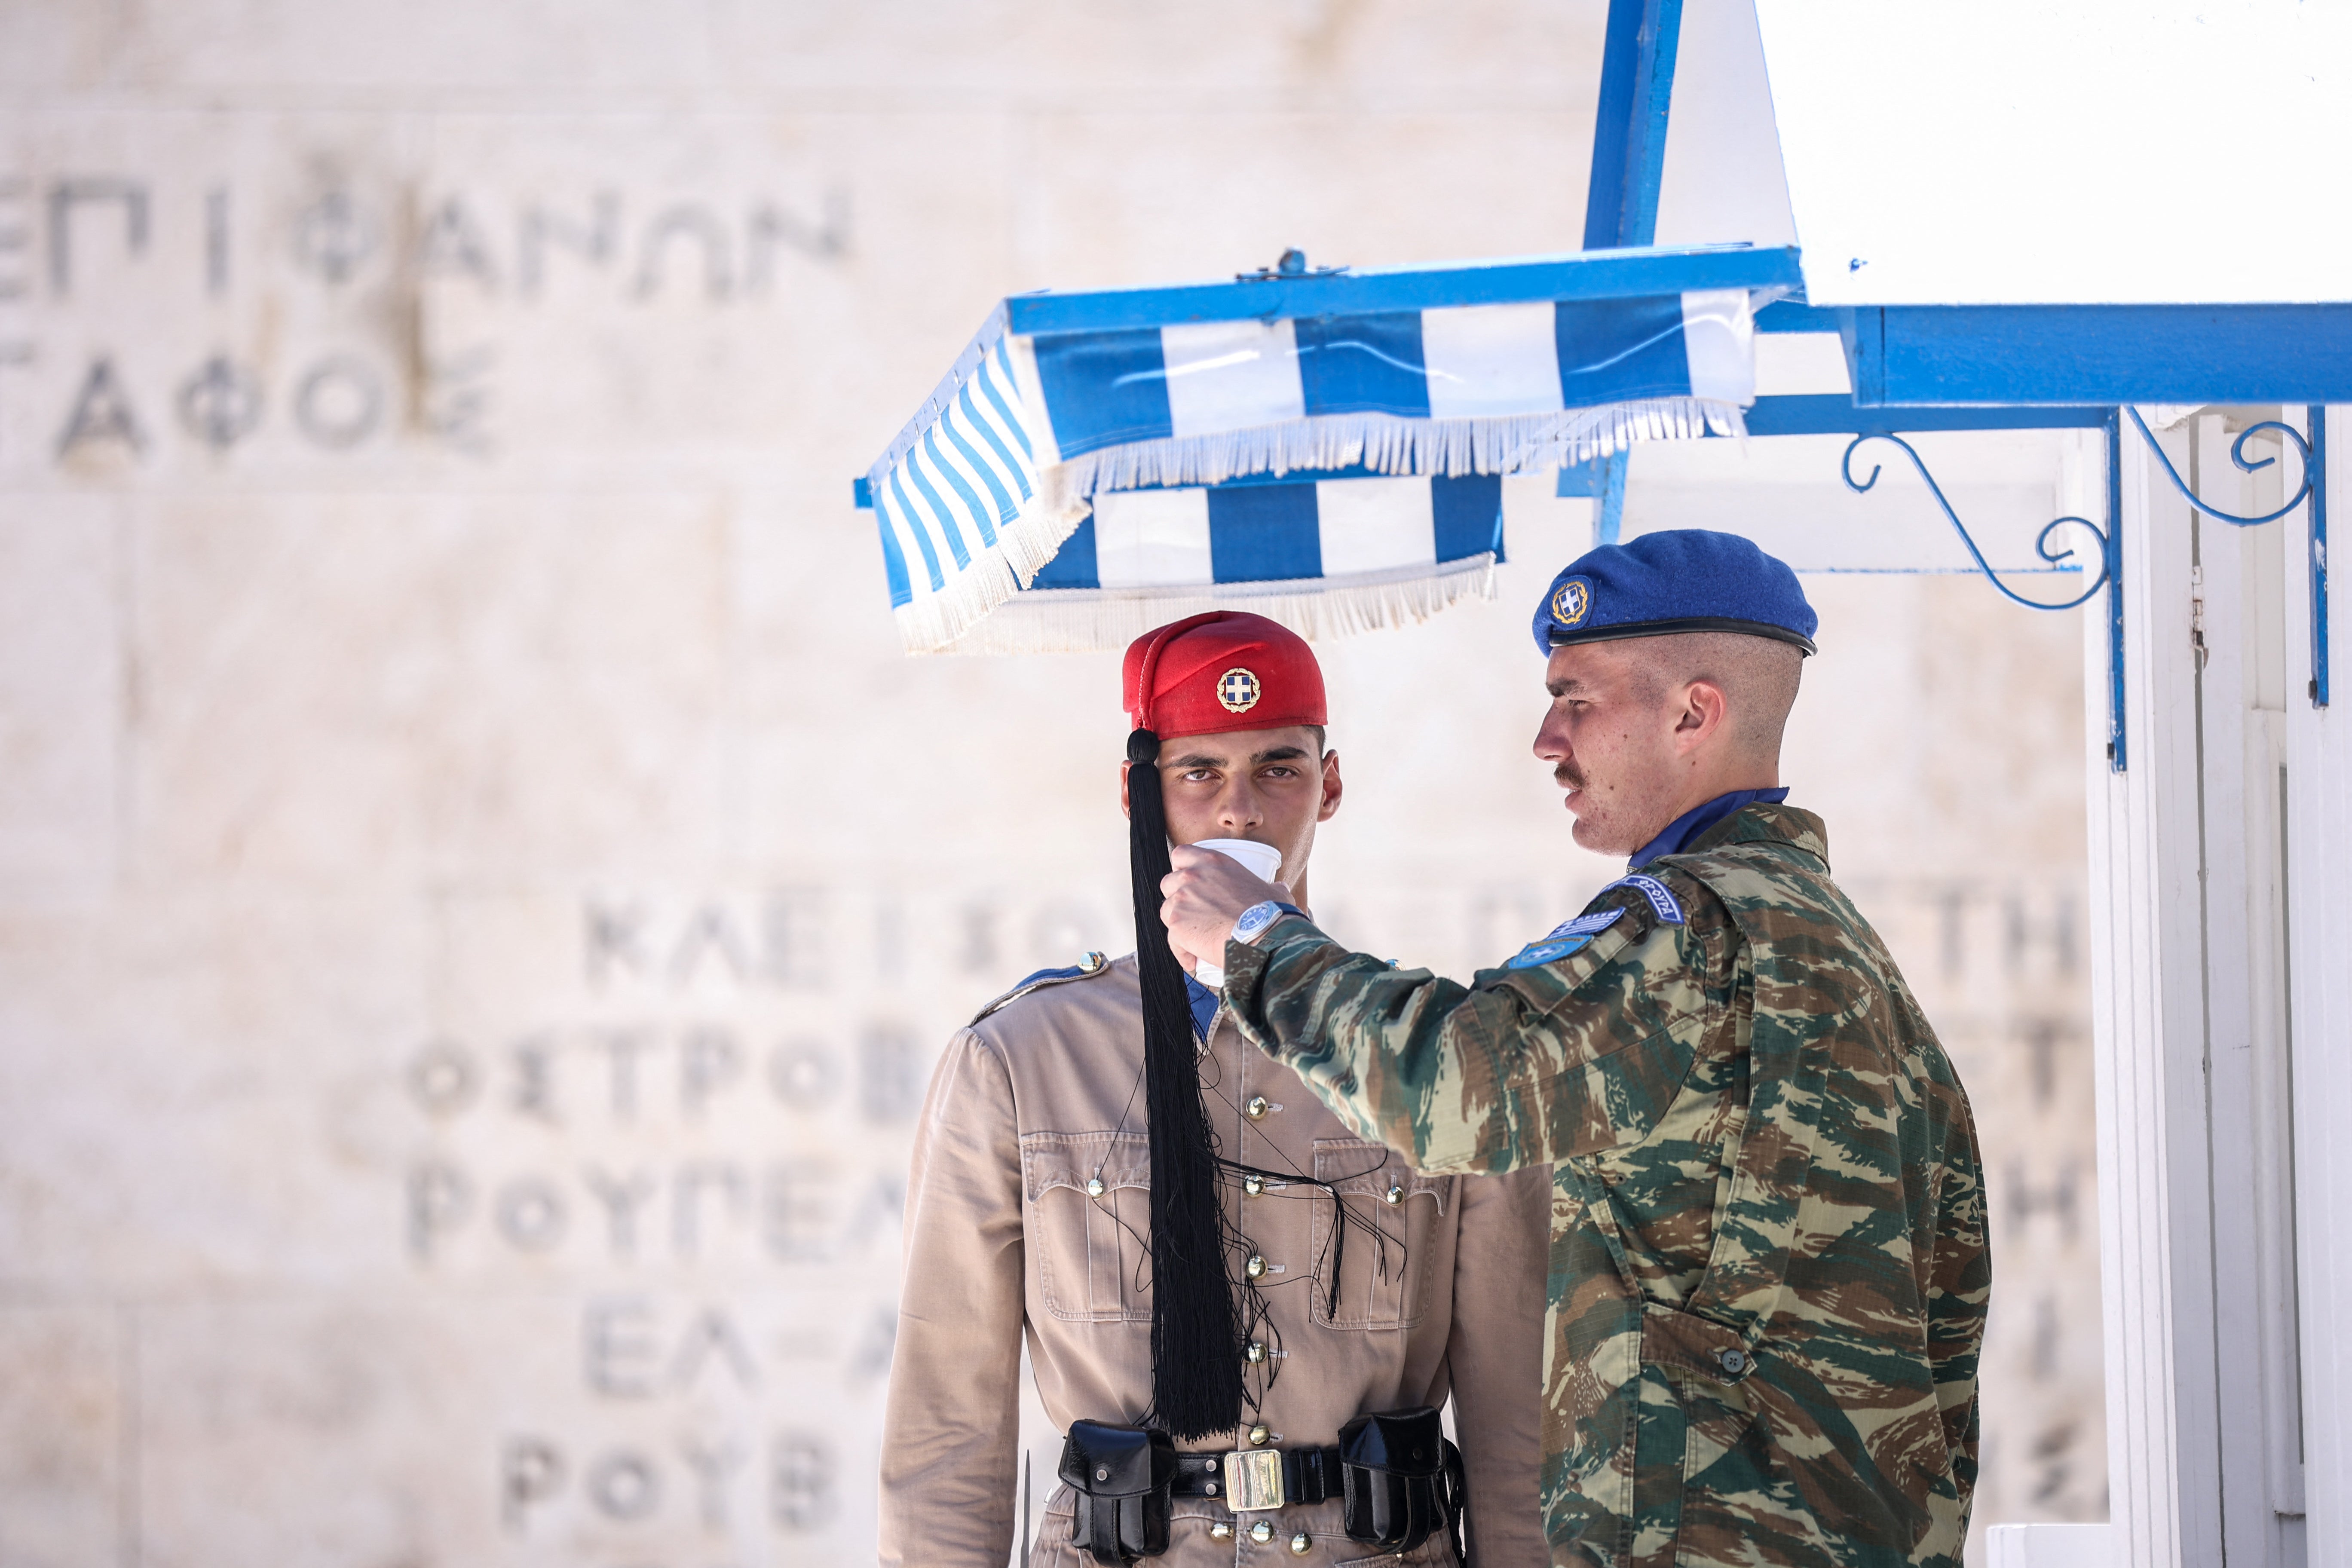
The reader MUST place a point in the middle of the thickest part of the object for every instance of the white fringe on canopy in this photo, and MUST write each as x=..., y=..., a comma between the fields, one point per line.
x=1097, y=620
x=1385, y=443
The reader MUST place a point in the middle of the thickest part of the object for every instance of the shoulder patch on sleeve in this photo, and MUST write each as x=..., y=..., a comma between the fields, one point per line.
x=1662, y=899
x=1593, y=924
x=1535, y=955
x=1094, y=965
x=1563, y=939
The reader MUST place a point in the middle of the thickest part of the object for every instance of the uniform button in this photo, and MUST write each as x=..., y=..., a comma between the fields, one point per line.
x=1091, y=963
x=1257, y=1107
x=1301, y=1544
x=1257, y=1351
x=1220, y=1530
x=1094, y=1186
x=1255, y=1266
x=1261, y=1532
x=1734, y=1361
x=1395, y=1193
x=1252, y=1186
x=1258, y=1435
x=1102, y=1475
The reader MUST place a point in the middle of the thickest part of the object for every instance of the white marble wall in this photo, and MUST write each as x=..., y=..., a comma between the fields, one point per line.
x=480, y=887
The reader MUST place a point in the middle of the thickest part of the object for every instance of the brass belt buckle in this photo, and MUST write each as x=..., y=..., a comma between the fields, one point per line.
x=1254, y=1480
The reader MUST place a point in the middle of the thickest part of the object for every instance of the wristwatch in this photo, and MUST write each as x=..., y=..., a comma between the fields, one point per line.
x=1258, y=917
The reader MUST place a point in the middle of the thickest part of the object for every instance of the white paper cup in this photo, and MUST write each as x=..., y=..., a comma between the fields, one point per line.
x=1264, y=862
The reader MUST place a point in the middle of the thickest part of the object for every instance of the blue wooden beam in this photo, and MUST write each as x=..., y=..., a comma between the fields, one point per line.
x=1792, y=316
x=2035, y=354
x=1629, y=131
x=1618, y=274
x=1834, y=414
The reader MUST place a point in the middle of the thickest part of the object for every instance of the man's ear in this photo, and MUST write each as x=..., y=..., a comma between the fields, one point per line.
x=1332, y=787
x=1704, y=714
x=1125, y=809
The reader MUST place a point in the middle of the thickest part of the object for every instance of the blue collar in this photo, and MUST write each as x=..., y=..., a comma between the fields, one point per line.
x=1204, y=1006
x=1698, y=820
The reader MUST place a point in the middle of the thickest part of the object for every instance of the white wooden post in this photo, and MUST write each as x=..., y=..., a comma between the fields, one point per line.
x=2206, y=901
x=2148, y=1022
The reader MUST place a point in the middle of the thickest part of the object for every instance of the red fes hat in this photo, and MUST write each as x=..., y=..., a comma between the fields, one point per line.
x=1222, y=670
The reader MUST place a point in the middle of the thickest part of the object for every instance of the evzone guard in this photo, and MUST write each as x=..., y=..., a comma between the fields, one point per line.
x=1243, y=1315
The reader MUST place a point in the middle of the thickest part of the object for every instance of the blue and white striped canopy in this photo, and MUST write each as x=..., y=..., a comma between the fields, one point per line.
x=1095, y=470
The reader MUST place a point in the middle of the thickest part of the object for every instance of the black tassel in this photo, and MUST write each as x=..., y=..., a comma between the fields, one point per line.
x=1196, y=1361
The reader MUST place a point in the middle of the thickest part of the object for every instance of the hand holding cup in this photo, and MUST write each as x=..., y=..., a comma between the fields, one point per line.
x=1214, y=881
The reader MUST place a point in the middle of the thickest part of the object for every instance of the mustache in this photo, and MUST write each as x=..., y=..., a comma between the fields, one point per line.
x=1567, y=776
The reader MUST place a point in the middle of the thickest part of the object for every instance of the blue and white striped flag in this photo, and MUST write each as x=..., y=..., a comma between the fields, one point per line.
x=1324, y=553
x=1031, y=430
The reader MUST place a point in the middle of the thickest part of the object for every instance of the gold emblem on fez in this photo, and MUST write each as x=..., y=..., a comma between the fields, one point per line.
x=1571, y=604
x=1239, y=690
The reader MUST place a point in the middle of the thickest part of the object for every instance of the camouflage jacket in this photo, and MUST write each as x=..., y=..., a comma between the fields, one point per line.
x=1768, y=1271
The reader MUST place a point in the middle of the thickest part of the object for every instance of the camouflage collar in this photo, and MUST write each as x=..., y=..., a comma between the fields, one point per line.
x=1762, y=822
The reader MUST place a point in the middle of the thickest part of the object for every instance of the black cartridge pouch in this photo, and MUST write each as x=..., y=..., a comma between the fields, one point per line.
x=1402, y=1480
x=1123, y=1476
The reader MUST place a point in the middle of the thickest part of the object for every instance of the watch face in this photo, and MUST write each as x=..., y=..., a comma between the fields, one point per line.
x=1255, y=919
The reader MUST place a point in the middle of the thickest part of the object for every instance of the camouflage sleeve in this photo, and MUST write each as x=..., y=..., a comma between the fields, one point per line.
x=1523, y=1066
x=1959, y=1285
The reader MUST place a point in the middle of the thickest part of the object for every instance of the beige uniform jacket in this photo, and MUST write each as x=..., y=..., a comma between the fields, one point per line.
x=1042, y=1096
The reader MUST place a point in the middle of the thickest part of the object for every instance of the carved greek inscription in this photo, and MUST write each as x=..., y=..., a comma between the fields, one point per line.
x=333, y=237
x=95, y=229
x=453, y=244
x=592, y=242
x=786, y=1211
x=220, y=403
x=339, y=402
x=69, y=198
x=777, y=940
x=101, y=415
x=648, y=1484
x=16, y=238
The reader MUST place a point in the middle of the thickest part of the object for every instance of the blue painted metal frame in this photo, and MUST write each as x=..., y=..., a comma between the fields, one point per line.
x=1795, y=316
x=2112, y=354
x=1629, y=161
x=2118, y=737
x=1604, y=275
x=1629, y=131
x=1833, y=413
x=2316, y=564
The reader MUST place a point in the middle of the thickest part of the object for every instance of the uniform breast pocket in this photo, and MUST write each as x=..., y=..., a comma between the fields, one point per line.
x=1089, y=1223
x=1381, y=1240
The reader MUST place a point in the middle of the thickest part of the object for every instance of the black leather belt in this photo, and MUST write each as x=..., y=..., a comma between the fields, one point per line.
x=1250, y=1479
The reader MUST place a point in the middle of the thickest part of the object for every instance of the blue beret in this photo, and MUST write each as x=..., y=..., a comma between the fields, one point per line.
x=1681, y=580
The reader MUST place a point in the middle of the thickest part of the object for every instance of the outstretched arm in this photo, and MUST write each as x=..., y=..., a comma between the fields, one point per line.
x=1558, y=1054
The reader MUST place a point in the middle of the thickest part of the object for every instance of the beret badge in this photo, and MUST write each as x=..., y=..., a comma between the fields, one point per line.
x=1572, y=602
x=1238, y=690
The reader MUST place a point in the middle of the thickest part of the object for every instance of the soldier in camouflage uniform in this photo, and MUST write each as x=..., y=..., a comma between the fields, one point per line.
x=1769, y=1273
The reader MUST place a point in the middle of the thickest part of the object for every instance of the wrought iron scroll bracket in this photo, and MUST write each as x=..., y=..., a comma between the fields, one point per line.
x=2109, y=576
x=2314, y=488
x=2042, y=545
x=2236, y=456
